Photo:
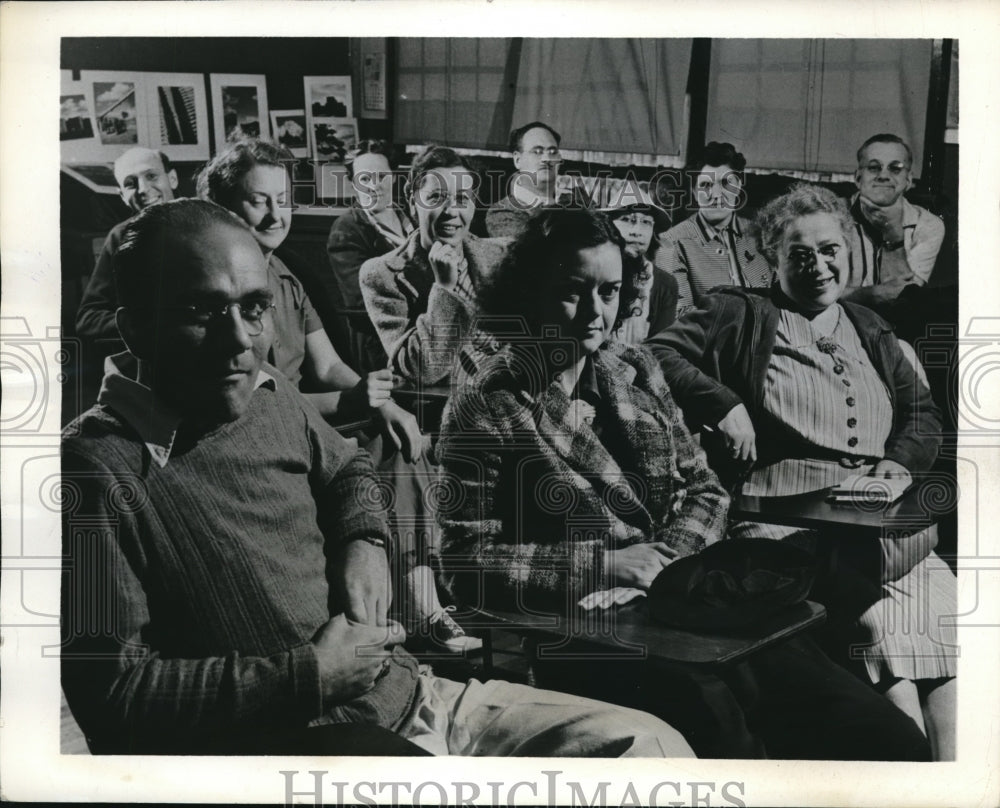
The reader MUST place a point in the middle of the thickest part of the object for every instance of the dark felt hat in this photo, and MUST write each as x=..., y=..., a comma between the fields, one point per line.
x=731, y=584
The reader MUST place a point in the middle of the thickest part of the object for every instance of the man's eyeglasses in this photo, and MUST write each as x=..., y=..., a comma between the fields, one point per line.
x=896, y=167
x=538, y=151
x=252, y=315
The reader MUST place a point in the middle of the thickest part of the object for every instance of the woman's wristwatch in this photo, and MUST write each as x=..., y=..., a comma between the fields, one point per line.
x=892, y=246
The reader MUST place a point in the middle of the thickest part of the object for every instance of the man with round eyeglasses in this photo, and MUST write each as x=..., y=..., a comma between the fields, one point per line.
x=896, y=243
x=537, y=158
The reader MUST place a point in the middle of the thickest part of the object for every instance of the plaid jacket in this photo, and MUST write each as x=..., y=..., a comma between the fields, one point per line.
x=532, y=497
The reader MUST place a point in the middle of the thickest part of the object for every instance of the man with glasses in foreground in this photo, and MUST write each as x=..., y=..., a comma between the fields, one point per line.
x=535, y=148
x=217, y=531
x=895, y=243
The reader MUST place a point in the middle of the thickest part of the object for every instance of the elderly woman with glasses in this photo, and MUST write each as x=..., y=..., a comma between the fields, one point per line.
x=805, y=390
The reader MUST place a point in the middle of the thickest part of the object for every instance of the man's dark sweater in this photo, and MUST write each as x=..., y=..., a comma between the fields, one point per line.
x=192, y=589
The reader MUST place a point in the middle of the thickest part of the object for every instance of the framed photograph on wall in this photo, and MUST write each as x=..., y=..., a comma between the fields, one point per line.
x=333, y=138
x=178, y=115
x=239, y=102
x=329, y=96
x=329, y=108
x=102, y=115
x=289, y=129
x=77, y=125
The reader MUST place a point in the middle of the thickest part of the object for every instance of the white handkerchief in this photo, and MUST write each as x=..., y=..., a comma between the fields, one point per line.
x=606, y=598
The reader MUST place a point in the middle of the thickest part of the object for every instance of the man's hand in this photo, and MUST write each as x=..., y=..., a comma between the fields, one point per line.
x=890, y=470
x=351, y=656
x=888, y=221
x=637, y=565
x=740, y=437
x=446, y=263
x=366, y=585
x=404, y=431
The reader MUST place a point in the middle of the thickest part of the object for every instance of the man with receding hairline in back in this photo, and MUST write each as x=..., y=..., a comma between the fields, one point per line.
x=145, y=177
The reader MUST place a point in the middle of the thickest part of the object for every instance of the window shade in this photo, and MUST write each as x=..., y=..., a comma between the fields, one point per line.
x=808, y=104
x=612, y=95
x=453, y=91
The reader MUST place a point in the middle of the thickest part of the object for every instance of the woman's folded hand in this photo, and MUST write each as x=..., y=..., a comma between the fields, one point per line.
x=637, y=565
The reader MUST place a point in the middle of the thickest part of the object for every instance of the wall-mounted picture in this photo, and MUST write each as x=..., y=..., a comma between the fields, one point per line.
x=333, y=138
x=74, y=117
x=329, y=96
x=330, y=117
x=178, y=115
x=239, y=107
x=115, y=108
x=288, y=127
x=101, y=114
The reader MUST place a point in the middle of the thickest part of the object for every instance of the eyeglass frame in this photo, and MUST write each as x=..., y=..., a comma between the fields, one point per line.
x=215, y=314
x=874, y=167
x=538, y=151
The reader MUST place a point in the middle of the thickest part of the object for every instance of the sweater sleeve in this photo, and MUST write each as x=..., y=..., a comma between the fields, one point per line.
x=916, y=434
x=421, y=349
x=683, y=351
x=96, y=316
x=127, y=696
x=663, y=301
x=487, y=562
x=350, y=498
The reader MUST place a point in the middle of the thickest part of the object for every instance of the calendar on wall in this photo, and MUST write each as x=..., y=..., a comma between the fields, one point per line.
x=373, y=81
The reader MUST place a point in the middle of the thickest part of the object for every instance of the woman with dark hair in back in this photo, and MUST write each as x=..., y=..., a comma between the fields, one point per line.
x=421, y=296
x=373, y=226
x=714, y=247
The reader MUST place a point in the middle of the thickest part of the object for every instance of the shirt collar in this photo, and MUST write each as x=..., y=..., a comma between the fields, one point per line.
x=711, y=232
x=153, y=420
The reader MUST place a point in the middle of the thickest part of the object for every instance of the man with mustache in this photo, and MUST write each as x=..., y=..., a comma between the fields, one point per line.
x=221, y=532
x=145, y=177
x=535, y=149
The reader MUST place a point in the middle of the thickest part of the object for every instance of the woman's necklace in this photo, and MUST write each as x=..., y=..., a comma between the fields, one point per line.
x=824, y=337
